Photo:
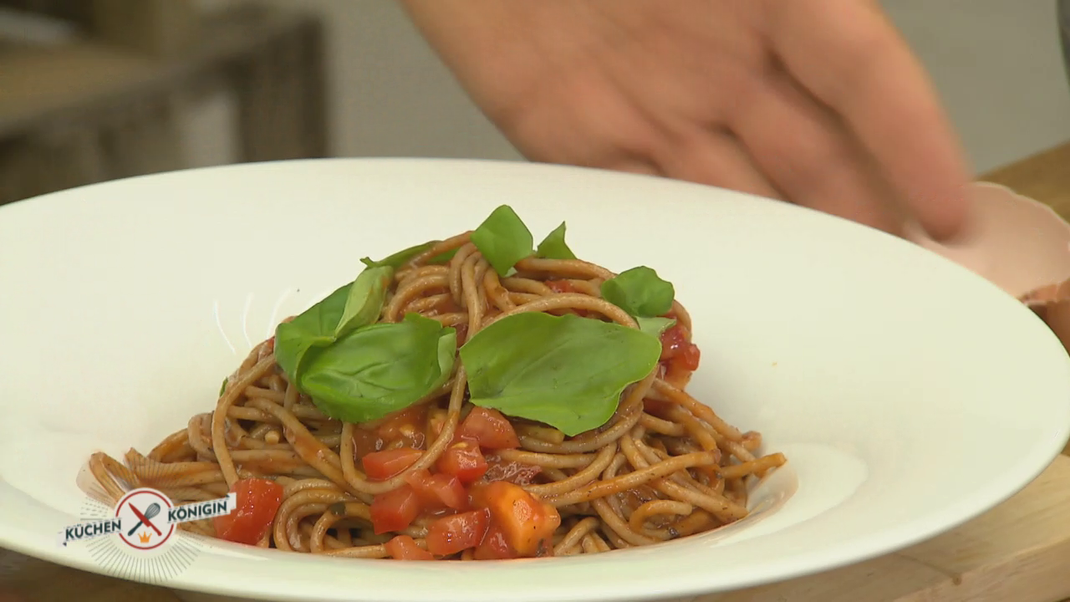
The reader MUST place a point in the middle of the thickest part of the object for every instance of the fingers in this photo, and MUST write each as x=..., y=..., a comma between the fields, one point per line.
x=634, y=165
x=850, y=58
x=714, y=158
x=809, y=156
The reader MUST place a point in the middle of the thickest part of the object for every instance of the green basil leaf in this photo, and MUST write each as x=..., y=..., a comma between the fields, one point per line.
x=379, y=369
x=443, y=257
x=655, y=326
x=503, y=239
x=223, y=387
x=640, y=292
x=365, y=300
x=315, y=327
x=349, y=307
x=567, y=371
x=554, y=247
x=400, y=258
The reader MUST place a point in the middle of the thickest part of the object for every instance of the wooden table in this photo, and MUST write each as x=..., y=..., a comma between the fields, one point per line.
x=1019, y=551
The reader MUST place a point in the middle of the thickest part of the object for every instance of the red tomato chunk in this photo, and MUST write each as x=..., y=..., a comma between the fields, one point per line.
x=675, y=349
x=394, y=510
x=456, y=533
x=494, y=546
x=463, y=460
x=439, y=491
x=257, y=501
x=490, y=429
x=382, y=465
x=404, y=547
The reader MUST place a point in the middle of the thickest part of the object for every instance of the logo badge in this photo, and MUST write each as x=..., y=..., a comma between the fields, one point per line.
x=138, y=538
x=144, y=508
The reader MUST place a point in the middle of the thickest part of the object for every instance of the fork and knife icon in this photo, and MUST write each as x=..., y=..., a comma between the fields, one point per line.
x=145, y=519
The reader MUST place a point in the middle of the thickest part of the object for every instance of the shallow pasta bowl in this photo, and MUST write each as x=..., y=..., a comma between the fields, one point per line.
x=908, y=394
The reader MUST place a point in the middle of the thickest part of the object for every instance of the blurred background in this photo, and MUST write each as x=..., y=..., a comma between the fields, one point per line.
x=92, y=90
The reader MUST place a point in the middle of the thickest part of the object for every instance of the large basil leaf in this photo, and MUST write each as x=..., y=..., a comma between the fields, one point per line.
x=365, y=300
x=640, y=292
x=349, y=307
x=315, y=327
x=503, y=239
x=379, y=369
x=564, y=371
x=554, y=247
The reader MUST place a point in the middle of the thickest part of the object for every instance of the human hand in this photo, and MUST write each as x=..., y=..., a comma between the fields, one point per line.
x=817, y=102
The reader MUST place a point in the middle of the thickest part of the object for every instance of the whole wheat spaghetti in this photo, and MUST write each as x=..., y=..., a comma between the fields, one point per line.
x=443, y=477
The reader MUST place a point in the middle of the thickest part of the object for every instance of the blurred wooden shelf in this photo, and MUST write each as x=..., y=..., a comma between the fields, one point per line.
x=91, y=110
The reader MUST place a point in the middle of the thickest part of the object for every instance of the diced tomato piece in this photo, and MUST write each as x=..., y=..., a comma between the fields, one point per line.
x=382, y=465
x=560, y=286
x=257, y=501
x=490, y=429
x=494, y=546
x=463, y=460
x=394, y=510
x=675, y=348
x=457, y=532
x=527, y=524
x=671, y=341
x=403, y=547
x=689, y=357
x=438, y=491
x=514, y=472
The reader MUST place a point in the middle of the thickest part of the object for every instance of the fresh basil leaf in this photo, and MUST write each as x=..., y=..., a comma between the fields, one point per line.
x=640, y=292
x=315, y=327
x=379, y=369
x=443, y=257
x=365, y=300
x=223, y=387
x=503, y=239
x=349, y=307
x=400, y=258
x=554, y=247
x=564, y=371
x=447, y=355
x=655, y=326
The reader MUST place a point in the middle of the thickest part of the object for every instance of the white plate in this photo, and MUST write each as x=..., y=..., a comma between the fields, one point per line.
x=908, y=394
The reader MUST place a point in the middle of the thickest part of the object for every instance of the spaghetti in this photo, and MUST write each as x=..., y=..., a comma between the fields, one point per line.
x=444, y=477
